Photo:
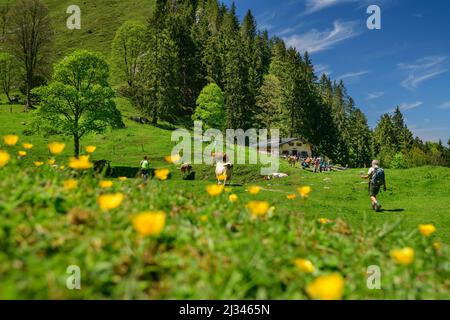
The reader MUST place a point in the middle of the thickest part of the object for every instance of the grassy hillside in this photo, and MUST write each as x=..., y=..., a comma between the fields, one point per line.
x=99, y=21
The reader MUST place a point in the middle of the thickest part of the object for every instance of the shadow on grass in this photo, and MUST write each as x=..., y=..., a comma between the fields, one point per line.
x=392, y=210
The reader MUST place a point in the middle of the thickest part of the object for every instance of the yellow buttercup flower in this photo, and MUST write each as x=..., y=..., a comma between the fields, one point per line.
x=304, y=191
x=56, y=147
x=427, y=229
x=204, y=218
x=51, y=161
x=233, y=198
x=70, y=184
x=162, y=174
x=122, y=178
x=82, y=163
x=149, y=223
x=214, y=190
x=62, y=167
x=403, y=256
x=324, y=221
x=38, y=163
x=328, y=287
x=110, y=201
x=22, y=153
x=27, y=146
x=221, y=177
x=90, y=149
x=304, y=265
x=105, y=184
x=258, y=208
x=4, y=158
x=254, y=190
x=11, y=139
x=173, y=159
x=291, y=196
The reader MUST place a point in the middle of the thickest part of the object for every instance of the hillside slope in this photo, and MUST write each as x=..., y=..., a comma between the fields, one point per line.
x=99, y=21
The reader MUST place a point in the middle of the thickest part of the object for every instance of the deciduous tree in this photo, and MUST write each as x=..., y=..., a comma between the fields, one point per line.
x=79, y=100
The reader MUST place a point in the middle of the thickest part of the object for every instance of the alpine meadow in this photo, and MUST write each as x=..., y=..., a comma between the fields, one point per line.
x=95, y=203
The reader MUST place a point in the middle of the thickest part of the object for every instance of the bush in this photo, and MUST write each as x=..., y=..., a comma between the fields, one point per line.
x=398, y=162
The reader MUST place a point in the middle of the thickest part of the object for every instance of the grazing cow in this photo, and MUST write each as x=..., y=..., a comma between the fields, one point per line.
x=186, y=168
x=224, y=169
x=292, y=160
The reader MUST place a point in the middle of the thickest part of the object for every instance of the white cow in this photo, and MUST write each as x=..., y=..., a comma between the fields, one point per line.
x=224, y=169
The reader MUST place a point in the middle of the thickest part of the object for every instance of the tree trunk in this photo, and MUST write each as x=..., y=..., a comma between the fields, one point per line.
x=76, y=143
x=7, y=96
x=29, y=84
x=155, y=115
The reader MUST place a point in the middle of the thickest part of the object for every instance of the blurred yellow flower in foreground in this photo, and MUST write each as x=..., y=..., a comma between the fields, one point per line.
x=291, y=196
x=149, y=223
x=328, y=287
x=122, y=178
x=4, y=158
x=233, y=198
x=51, y=161
x=162, y=174
x=304, y=191
x=27, y=146
x=173, y=159
x=81, y=163
x=22, y=153
x=403, y=256
x=324, y=221
x=304, y=265
x=56, y=147
x=427, y=229
x=11, y=139
x=254, y=190
x=105, y=184
x=90, y=149
x=258, y=208
x=38, y=163
x=204, y=218
x=110, y=201
x=70, y=184
x=214, y=190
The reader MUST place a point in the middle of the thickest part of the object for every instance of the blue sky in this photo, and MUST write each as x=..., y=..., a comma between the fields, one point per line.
x=406, y=63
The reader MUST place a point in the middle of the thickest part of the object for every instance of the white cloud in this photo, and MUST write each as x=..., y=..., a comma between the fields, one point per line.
x=431, y=134
x=408, y=106
x=445, y=105
x=322, y=69
x=316, y=41
x=353, y=74
x=375, y=95
x=318, y=5
x=422, y=70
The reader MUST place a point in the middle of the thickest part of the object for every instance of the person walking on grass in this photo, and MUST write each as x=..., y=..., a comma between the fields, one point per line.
x=145, y=168
x=376, y=181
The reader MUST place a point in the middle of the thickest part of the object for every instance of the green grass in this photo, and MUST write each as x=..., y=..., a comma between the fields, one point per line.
x=44, y=229
x=100, y=20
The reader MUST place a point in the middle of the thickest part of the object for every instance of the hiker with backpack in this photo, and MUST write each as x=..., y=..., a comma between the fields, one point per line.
x=376, y=181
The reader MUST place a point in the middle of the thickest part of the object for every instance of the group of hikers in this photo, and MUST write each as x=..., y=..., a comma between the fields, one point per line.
x=375, y=175
x=318, y=164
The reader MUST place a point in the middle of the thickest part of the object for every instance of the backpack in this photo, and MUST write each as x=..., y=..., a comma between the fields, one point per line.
x=378, y=178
